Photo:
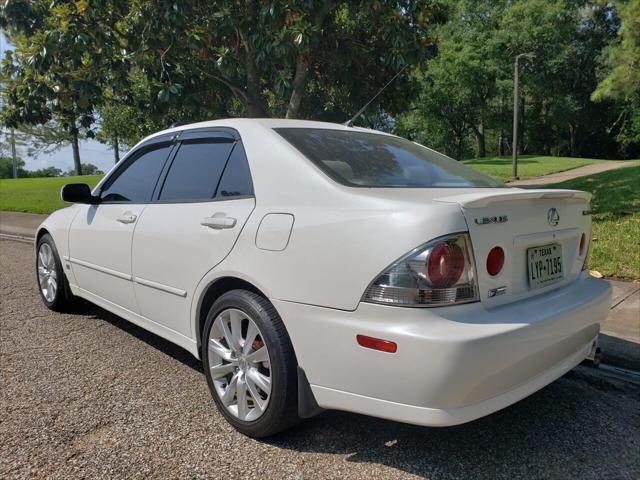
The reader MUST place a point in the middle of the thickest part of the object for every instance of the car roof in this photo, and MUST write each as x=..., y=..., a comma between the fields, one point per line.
x=269, y=123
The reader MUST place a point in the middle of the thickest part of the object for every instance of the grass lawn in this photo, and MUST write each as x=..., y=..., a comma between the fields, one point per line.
x=615, y=248
x=529, y=166
x=37, y=195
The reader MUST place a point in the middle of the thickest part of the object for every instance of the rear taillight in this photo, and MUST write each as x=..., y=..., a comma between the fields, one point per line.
x=495, y=261
x=583, y=243
x=441, y=272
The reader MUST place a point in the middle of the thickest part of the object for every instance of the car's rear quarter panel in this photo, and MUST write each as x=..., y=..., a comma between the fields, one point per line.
x=342, y=237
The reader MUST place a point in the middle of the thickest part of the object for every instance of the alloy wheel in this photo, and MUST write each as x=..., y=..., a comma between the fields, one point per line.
x=239, y=364
x=47, y=274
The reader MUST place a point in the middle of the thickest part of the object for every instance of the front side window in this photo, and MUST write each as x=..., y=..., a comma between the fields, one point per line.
x=136, y=181
x=196, y=170
x=362, y=159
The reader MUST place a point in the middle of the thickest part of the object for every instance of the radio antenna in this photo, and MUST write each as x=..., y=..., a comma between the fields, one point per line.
x=349, y=123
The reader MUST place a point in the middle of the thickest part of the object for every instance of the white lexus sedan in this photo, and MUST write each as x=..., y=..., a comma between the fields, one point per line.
x=318, y=266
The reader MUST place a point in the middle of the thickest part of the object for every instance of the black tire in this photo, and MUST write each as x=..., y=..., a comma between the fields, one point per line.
x=63, y=300
x=282, y=410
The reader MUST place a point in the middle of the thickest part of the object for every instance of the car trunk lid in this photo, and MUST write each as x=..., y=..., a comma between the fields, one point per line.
x=519, y=221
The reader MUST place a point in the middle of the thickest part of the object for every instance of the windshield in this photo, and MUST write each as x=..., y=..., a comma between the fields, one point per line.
x=362, y=159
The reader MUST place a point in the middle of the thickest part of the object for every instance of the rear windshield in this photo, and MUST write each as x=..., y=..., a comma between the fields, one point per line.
x=361, y=159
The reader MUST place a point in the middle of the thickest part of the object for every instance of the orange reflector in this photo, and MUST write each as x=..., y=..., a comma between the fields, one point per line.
x=377, y=344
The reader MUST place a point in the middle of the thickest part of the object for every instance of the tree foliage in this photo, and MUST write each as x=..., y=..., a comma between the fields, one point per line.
x=63, y=53
x=622, y=64
x=6, y=167
x=121, y=69
x=466, y=91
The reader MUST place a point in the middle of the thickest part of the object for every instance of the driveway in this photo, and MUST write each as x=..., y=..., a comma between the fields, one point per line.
x=88, y=395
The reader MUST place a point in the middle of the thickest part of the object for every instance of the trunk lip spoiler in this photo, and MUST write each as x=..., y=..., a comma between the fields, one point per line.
x=481, y=200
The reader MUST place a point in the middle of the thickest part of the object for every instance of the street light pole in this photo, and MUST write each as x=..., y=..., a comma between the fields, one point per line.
x=516, y=112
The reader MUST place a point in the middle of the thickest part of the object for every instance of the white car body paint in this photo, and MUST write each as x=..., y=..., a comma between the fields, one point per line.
x=321, y=247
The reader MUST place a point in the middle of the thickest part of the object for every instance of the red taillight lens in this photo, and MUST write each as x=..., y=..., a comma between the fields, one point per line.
x=445, y=265
x=583, y=243
x=495, y=261
x=377, y=344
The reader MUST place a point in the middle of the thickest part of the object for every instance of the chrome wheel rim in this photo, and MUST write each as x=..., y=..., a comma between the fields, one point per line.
x=239, y=365
x=47, y=275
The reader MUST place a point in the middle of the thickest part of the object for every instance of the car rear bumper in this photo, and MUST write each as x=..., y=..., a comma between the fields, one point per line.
x=453, y=364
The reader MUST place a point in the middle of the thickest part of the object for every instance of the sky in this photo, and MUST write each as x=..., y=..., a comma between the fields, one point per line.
x=91, y=151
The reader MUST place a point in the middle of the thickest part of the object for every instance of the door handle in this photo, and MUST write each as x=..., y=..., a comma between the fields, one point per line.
x=127, y=217
x=218, y=221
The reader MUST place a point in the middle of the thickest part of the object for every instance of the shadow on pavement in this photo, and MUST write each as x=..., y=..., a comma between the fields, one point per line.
x=620, y=352
x=561, y=432
x=151, y=339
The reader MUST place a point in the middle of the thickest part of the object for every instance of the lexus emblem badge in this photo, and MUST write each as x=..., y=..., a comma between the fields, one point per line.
x=553, y=217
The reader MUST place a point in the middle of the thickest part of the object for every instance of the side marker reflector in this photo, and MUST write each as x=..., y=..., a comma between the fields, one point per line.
x=377, y=344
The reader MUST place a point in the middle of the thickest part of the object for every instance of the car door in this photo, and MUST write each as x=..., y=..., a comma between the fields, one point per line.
x=204, y=200
x=100, y=236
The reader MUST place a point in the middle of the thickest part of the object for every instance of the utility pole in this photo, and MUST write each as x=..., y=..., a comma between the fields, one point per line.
x=12, y=140
x=516, y=111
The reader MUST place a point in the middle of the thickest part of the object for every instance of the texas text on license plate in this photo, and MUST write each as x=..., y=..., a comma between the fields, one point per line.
x=545, y=265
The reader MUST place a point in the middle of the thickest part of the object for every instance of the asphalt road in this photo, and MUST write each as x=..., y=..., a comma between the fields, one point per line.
x=87, y=395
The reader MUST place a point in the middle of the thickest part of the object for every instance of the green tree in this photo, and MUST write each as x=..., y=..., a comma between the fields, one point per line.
x=622, y=64
x=63, y=51
x=295, y=58
x=45, y=172
x=6, y=167
x=459, y=86
x=120, y=126
x=466, y=91
x=87, y=169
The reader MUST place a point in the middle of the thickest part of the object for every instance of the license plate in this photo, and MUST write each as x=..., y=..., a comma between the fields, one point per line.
x=545, y=265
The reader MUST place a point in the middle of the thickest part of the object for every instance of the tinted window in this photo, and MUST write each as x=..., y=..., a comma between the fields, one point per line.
x=136, y=182
x=195, y=171
x=372, y=160
x=236, y=179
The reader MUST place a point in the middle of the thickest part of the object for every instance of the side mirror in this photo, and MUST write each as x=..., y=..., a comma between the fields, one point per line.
x=78, y=193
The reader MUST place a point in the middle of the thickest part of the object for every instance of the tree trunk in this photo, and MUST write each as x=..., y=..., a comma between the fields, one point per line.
x=521, y=127
x=76, y=150
x=459, y=148
x=480, y=138
x=116, y=148
x=546, y=147
x=573, y=134
x=302, y=64
x=299, y=84
x=501, y=138
x=254, y=108
x=14, y=158
x=254, y=99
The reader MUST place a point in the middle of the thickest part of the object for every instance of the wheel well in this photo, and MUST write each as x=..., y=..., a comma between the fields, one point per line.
x=215, y=290
x=40, y=234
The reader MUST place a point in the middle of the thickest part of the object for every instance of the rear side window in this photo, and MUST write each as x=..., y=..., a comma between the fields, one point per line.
x=196, y=169
x=136, y=181
x=236, y=179
x=362, y=159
